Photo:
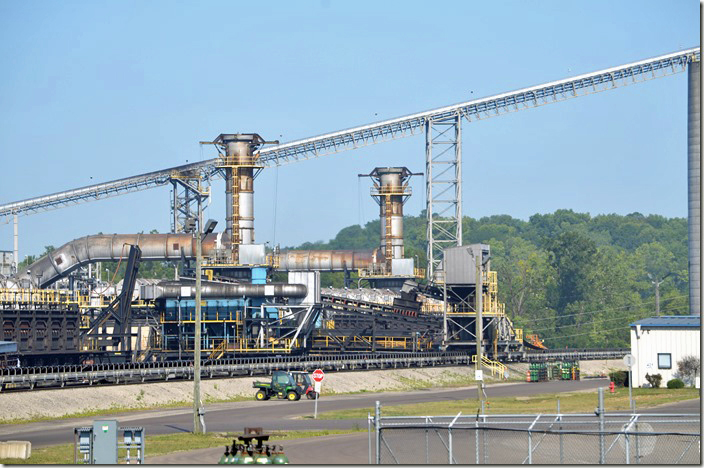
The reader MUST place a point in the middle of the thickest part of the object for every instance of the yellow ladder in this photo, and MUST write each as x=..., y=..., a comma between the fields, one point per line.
x=219, y=351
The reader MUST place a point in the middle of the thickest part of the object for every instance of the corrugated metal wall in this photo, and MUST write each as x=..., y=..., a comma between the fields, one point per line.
x=679, y=342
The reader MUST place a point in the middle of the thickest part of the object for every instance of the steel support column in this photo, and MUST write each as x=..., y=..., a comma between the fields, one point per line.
x=184, y=204
x=443, y=166
x=694, y=184
x=16, y=246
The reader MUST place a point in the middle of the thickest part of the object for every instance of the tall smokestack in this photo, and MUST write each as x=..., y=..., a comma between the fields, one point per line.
x=240, y=163
x=694, y=185
x=391, y=191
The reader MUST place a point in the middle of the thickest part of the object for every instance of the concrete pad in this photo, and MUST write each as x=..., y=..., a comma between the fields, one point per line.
x=15, y=449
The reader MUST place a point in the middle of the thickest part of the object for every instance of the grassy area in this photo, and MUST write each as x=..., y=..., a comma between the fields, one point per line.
x=577, y=402
x=164, y=444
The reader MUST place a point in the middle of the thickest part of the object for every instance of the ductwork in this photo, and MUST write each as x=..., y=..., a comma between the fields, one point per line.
x=180, y=289
x=105, y=248
x=325, y=260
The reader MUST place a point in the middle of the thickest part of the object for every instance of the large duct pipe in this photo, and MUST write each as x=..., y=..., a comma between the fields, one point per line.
x=694, y=185
x=325, y=260
x=105, y=248
x=180, y=289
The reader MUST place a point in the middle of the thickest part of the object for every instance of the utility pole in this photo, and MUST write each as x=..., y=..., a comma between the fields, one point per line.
x=657, y=284
x=200, y=233
x=478, y=305
x=197, y=410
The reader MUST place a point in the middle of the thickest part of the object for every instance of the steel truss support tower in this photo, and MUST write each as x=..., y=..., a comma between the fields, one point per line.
x=443, y=166
x=694, y=184
x=187, y=188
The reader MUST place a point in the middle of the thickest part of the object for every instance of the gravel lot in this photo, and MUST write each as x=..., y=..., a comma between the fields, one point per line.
x=62, y=402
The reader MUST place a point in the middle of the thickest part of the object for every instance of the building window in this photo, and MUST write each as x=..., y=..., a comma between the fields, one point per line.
x=664, y=361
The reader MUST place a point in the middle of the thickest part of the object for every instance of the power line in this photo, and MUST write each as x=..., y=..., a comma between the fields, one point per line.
x=598, y=321
x=603, y=310
x=586, y=333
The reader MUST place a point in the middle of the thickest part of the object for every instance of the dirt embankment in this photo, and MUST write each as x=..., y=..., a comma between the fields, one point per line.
x=62, y=402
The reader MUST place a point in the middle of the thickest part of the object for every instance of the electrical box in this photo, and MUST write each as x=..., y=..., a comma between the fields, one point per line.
x=105, y=442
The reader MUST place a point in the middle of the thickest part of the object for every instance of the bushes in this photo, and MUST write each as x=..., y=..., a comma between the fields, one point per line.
x=675, y=383
x=688, y=369
x=654, y=380
x=619, y=378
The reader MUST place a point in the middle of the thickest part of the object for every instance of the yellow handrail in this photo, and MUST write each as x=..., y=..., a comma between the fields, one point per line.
x=495, y=367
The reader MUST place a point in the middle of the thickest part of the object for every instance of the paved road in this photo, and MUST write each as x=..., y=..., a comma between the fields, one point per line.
x=275, y=414
x=348, y=449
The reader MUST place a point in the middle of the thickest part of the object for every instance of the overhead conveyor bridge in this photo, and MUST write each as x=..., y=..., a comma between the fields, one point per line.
x=387, y=130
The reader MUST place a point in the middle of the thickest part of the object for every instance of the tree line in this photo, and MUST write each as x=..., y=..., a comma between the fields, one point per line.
x=574, y=279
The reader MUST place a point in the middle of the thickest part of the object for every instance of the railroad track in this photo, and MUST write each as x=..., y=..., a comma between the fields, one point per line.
x=36, y=378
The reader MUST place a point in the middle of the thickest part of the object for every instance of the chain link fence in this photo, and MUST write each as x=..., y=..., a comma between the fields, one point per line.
x=542, y=439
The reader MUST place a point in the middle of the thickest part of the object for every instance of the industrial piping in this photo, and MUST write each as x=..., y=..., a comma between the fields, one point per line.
x=102, y=248
x=179, y=289
x=325, y=260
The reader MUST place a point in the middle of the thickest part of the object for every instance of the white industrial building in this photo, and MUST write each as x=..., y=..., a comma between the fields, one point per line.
x=659, y=343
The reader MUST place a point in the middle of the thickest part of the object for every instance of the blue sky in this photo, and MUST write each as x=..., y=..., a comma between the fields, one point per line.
x=98, y=90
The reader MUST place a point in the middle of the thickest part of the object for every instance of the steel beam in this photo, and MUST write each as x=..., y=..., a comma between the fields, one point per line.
x=365, y=135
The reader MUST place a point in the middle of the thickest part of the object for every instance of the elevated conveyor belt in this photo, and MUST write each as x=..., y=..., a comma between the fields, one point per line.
x=387, y=130
x=30, y=378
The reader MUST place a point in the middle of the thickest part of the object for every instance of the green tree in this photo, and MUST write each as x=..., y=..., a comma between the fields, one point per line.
x=572, y=256
x=522, y=270
x=656, y=264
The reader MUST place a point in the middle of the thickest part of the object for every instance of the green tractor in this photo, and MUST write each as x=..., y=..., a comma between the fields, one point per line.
x=282, y=385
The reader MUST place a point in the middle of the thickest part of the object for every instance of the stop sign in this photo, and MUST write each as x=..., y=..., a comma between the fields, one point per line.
x=318, y=375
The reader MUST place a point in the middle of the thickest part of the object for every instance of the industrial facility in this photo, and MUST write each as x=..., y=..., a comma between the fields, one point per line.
x=223, y=301
x=58, y=312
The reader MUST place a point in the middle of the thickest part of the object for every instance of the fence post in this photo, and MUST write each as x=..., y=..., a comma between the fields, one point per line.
x=449, y=439
x=449, y=445
x=484, y=433
x=530, y=440
x=562, y=448
x=637, y=446
x=427, y=448
x=602, y=457
x=377, y=429
x=369, y=435
x=627, y=438
x=476, y=440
